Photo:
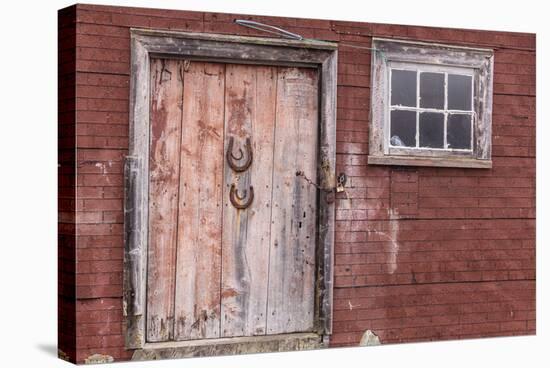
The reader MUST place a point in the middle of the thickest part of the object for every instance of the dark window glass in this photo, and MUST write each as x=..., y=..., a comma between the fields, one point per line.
x=432, y=90
x=403, y=87
x=403, y=128
x=431, y=129
x=460, y=92
x=459, y=131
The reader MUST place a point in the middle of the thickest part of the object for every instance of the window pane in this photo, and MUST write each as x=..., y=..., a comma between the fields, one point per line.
x=403, y=128
x=403, y=87
x=459, y=131
x=431, y=129
x=432, y=90
x=460, y=92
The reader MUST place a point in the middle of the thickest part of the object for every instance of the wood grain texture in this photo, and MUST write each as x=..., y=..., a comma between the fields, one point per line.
x=257, y=51
x=163, y=37
x=229, y=346
x=472, y=163
x=249, y=113
x=137, y=199
x=481, y=61
x=164, y=163
x=326, y=212
x=133, y=310
x=197, y=301
x=292, y=256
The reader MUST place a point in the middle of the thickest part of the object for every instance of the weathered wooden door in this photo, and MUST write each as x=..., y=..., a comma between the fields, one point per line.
x=232, y=228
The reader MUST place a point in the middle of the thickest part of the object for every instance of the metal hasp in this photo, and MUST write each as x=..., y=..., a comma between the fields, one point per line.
x=231, y=158
x=234, y=195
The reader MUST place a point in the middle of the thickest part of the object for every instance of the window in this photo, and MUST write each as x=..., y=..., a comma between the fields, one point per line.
x=431, y=105
x=431, y=108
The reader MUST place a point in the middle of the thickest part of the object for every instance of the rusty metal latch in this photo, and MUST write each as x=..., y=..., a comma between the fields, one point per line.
x=235, y=198
x=330, y=191
x=231, y=158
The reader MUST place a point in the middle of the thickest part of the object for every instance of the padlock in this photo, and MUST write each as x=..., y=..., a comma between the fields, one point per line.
x=342, y=178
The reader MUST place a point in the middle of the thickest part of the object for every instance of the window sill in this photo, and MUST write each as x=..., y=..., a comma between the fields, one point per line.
x=229, y=346
x=470, y=163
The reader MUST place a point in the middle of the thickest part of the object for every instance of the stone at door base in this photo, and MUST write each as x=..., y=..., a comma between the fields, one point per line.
x=98, y=358
x=369, y=339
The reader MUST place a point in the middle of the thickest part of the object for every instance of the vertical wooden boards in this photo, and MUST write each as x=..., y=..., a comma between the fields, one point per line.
x=147, y=45
x=166, y=98
x=250, y=102
x=292, y=255
x=198, y=267
x=215, y=270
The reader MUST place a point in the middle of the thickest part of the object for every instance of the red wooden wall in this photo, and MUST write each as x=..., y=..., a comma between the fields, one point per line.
x=421, y=253
x=66, y=182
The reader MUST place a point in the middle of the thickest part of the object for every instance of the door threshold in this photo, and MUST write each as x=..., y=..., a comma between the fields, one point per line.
x=229, y=346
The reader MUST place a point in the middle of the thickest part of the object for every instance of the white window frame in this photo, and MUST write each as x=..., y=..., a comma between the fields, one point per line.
x=419, y=69
x=391, y=54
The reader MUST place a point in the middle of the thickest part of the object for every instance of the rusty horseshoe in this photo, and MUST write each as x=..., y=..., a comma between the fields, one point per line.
x=234, y=197
x=231, y=157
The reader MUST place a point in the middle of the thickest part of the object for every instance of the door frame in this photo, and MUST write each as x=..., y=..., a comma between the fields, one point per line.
x=145, y=44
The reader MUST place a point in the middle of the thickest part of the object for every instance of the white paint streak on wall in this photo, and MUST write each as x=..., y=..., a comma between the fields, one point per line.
x=392, y=249
x=351, y=306
x=105, y=169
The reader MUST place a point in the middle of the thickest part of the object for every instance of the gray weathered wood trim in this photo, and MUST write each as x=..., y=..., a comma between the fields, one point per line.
x=136, y=188
x=427, y=152
x=132, y=301
x=326, y=170
x=225, y=346
x=150, y=43
x=483, y=102
x=430, y=161
x=151, y=34
x=480, y=60
x=233, y=48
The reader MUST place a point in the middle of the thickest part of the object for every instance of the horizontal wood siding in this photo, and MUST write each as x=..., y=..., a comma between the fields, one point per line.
x=66, y=187
x=420, y=254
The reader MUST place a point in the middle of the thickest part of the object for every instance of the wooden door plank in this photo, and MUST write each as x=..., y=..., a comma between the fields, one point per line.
x=197, y=301
x=292, y=255
x=249, y=113
x=166, y=98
